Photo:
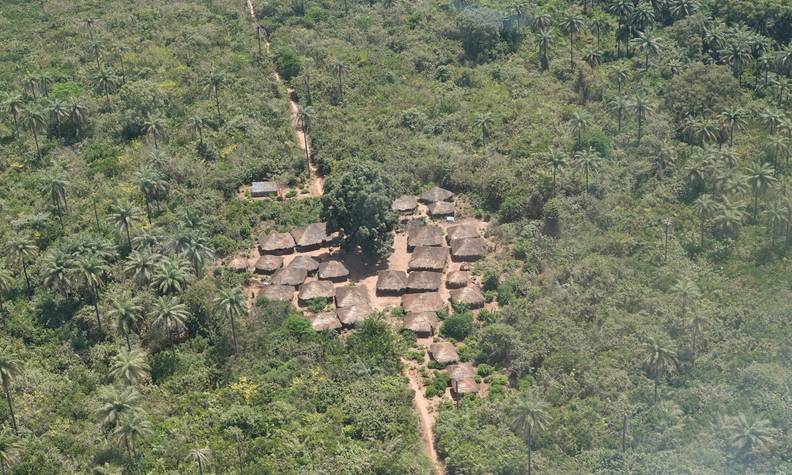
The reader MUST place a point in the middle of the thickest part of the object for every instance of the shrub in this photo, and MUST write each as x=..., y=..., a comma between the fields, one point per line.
x=458, y=326
x=287, y=62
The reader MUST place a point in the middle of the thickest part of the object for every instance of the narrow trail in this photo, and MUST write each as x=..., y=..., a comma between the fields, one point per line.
x=426, y=418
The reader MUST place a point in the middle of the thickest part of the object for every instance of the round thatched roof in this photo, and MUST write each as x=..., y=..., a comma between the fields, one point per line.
x=441, y=208
x=350, y=296
x=276, y=243
x=472, y=248
x=461, y=371
x=289, y=276
x=470, y=296
x=464, y=386
x=333, y=270
x=423, y=281
x=429, y=235
x=268, y=264
x=425, y=323
x=316, y=289
x=436, y=194
x=308, y=263
x=428, y=258
x=392, y=281
x=443, y=352
x=277, y=292
x=422, y=302
x=351, y=316
x=404, y=203
x=457, y=279
x=310, y=236
x=462, y=231
x=325, y=321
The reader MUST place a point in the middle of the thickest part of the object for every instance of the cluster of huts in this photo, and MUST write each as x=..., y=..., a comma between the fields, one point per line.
x=438, y=203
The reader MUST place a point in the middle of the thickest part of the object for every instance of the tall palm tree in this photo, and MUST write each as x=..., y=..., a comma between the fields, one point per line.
x=339, y=68
x=642, y=15
x=105, y=81
x=737, y=53
x=115, y=404
x=305, y=117
x=133, y=427
x=78, y=114
x=660, y=360
x=706, y=208
x=541, y=20
x=592, y=56
x=733, y=119
x=777, y=147
x=618, y=105
x=687, y=291
x=600, y=26
x=579, y=121
x=127, y=315
x=485, y=122
x=91, y=270
x=776, y=217
x=199, y=456
x=696, y=324
x=95, y=48
x=730, y=217
x=772, y=118
x=648, y=45
x=195, y=247
x=129, y=367
x=622, y=9
x=761, y=176
x=53, y=185
x=124, y=215
x=6, y=283
x=212, y=83
x=587, y=161
x=59, y=111
x=544, y=41
x=10, y=368
x=196, y=124
x=747, y=434
x=57, y=269
x=620, y=75
x=34, y=120
x=13, y=104
x=171, y=275
x=641, y=107
x=170, y=316
x=528, y=415
x=9, y=452
x=557, y=159
x=231, y=303
x=571, y=23
x=141, y=265
x=683, y=8
x=154, y=126
x=21, y=251
x=146, y=179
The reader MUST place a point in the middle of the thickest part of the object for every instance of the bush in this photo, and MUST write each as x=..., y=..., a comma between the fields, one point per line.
x=287, y=62
x=458, y=326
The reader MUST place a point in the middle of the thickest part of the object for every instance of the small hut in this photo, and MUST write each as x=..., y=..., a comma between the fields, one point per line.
x=308, y=263
x=325, y=321
x=443, y=352
x=391, y=282
x=351, y=316
x=260, y=189
x=429, y=258
x=423, y=281
x=333, y=271
x=276, y=243
x=440, y=209
x=469, y=296
x=405, y=204
x=436, y=194
x=316, y=289
x=423, y=302
x=289, y=276
x=268, y=264
x=351, y=296
x=460, y=387
x=238, y=264
x=424, y=324
x=461, y=231
x=283, y=293
x=310, y=237
x=424, y=236
x=457, y=279
x=468, y=249
x=461, y=371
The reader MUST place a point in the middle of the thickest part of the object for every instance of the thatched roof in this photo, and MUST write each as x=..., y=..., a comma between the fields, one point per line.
x=457, y=279
x=349, y=296
x=422, y=323
x=277, y=292
x=333, y=270
x=351, y=316
x=430, y=235
x=276, y=243
x=313, y=235
x=464, y=386
x=422, y=302
x=308, y=263
x=429, y=258
x=263, y=188
x=239, y=264
x=268, y=264
x=423, y=281
x=467, y=249
x=470, y=296
x=325, y=321
x=462, y=231
x=443, y=352
x=436, y=194
x=392, y=281
x=441, y=208
x=289, y=276
x=461, y=371
x=316, y=289
x=405, y=203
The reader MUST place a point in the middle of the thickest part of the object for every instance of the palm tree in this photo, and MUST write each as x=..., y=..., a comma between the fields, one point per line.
x=648, y=45
x=772, y=118
x=57, y=269
x=231, y=303
x=129, y=367
x=592, y=56
x=213, y=82
x=777, y=146
x=170, y=316
x=105, y=81
x=171, y=275
x=132, y=428
x=761, y=176
x=641, y=107
x=730, y=217
x=484, y=122
x=10, y=368
x=748, y=434
x=59, y=111
x=6, y=281
x=53, y=185
x=544, y=40
x=620, y=75
x=557, y=159
x=195, y=248
x=124, y=215
x=737, y=53
x=196, y=124
x=21, y=250
x=34, y=120
x=686, y=290
x=622, y=9
x=660, y=360
x=588, y=161
x=95, y=48
x=571, y=23
x=91, y=271
x=154, y=126
x=600, y=26
x=305, y=118
x=141, y=265
x=339, y=68
x=642, y=15
x=127, y=315
x=117, y=403
x=618, y=104
x=199, y=456
x=776, y=217
x=705, y=208
x=579, y=121
x=13, y=104
x=146, y=179
x=541, y=20
x=77, y=114
x=733, y=119
x=696, y=324
x=528, y=415
x=683, y=8
x=9, y=448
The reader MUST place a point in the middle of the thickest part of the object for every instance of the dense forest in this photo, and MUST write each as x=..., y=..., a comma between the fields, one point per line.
x=629, y=160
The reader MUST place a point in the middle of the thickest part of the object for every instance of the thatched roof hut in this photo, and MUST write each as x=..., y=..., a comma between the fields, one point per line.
x=316, y=289
x=436, y=194
x=333, y=270
x=423, y=281
x=325, y=321
x=351, y=316
x=463, y=386
x=443, y=352
x=310, y=237
x=424, y=324
x=429, y=258
x=391, y=282
x=430, y=235
x=238, y=264
x=423, y=302
x=308, y=263
x=461, y=231
x=268, y=264
x=276, y=243
x=350, y=296
x=457, y=279
x=405, y=204
x=260, y=189
x=289, y=276
x=468, y=249
x=470, y=296
x=461, y=371
x=282, y=293
x=440, y=209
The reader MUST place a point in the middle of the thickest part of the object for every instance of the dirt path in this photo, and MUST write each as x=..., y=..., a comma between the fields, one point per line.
x=426, y=418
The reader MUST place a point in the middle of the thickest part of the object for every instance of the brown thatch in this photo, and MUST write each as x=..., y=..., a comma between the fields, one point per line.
x=424, y=236
x=289, y=276
x=350, y=296
x=263, y=188
x=276, y=243
x=238, y=264
x=461, y=371
x=391, y=282
x=443, y=352
x=440, y=209
x=423, y=302
x=457, y=279
x=268, y=264
x=463, y=386
x=325, y=321
x=429, y=258
x=316, y=289
x=423, y=281
x=333, y=270
x=436, y=194
x=308, y=263
x=351, y=316
x=405, y=204
x=310, y=237
x=468, y=249
x=462, y=231
x=424, y=324
x=470, y=296
x=277, y=292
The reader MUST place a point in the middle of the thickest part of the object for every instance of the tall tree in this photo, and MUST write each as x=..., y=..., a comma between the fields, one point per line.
x=124, y=215
x=105, y=81
x=641, y=107
x=91, y=270
x=13, y=104
x=648, y=45
x=686, y=290
x=733, y=119
x=587, y=161
x=484, y=121
x=747, y=434
x=171, y=275
x=154, y=126
x=339, y=68
x=618, y=105
x=10, y=368
x=170, y=316
x=57, y=269
x=197, y=124
x=231, y=303
x=213, y=82
x=544, y=41
x=141, y=265
x=528, y=415
x=706, y=208
x=761, y=176
x=133, y=427
x=557, y=159
x=660, y=360
x=199, y=456
x=127, y=315
x=115, y=404
x=34, y=120
x=6, y=283
x=129, y=367
x=53, y=186
x=21, y=251
x=571, y=23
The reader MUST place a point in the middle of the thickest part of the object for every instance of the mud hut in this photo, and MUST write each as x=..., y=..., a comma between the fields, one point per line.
x=423, y=281
x=461, y=371
x=238, y=264
x=310, y=237
x=276, y=243
x=443, y=352
x=351, y=296
x=468, y=249
x=424, y=324
x=461, y=231
x=260, y=189
x=334, y=271
x=325, y=321
x=460, y=387
x=289, y=276
x=430, y=235
x=316, y=289
x=391, y=282
x=308, y=263
x=268, y=264
x=423, y=302
x=283, y=293
x=429, y=258
x=440, y=209
x=405, y=204
x=436, y=194
x=469, y=296
x=351, y=316
x=457, y=279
